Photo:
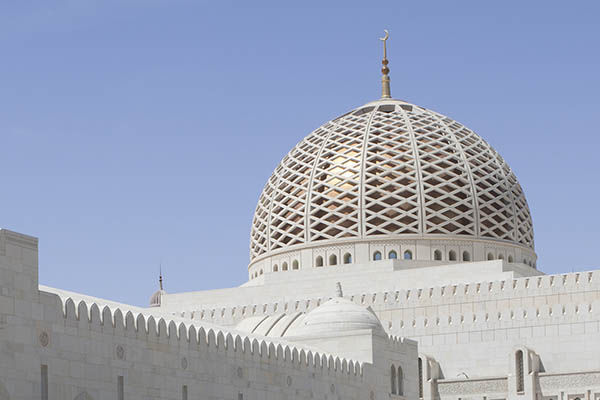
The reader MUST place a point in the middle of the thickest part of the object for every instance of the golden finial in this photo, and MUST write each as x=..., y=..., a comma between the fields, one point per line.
x=385, y=79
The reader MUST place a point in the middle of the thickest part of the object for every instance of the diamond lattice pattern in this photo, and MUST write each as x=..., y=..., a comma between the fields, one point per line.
x=390, y=168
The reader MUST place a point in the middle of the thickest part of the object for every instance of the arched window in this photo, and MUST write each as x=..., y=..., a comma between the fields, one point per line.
x=400, y=387
x=437, y=255
x=261, y=272
x=510, y=259
x=319, y=261
x=377, y=256
x=284, y=266
x=393, y=379
x=519, y=371
x=408, y=255
x=452, y=255
x=347, y=258
x=466, y=256
x=420, y=366
x=275, y=268
x=490, y=256
x=500, y=256
x=295, y=264
x=392, y=255
x=332, y=259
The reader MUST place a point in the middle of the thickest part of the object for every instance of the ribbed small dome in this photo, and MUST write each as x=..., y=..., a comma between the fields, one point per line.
x=390, y=170
x=335, y=316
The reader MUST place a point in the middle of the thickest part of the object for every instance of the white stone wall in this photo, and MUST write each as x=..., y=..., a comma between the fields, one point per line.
x=583, y=385
x=317, y=283
x=86, y=349
x=472, y=328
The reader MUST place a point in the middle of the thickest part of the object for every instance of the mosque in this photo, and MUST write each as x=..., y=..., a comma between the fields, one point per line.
x=391, y=257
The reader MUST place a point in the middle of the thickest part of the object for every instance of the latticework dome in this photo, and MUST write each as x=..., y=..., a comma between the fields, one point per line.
x=390, y=170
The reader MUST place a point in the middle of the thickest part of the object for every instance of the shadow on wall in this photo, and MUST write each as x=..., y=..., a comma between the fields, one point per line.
x=3, y=393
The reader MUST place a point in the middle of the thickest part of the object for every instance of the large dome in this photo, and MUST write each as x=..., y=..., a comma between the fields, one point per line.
x=391, y=170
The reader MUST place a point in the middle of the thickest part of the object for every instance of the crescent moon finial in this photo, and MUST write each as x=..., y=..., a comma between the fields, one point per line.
x=387, y=35
x=385, y=79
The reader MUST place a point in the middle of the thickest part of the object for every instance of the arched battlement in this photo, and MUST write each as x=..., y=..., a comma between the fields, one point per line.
x=95, y=318
x=579, y=282
x=69, y=311
x=302, y=358
x=152, y=327
x=130, y=321
x=525, y=316
x=173, y=332
x=220, y=341
x=119, y=322
x=139, y=326
x=162, y=331
x=107, y=317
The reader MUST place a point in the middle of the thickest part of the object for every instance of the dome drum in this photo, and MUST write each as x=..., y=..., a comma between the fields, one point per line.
x=391, y=170
x=362, y=252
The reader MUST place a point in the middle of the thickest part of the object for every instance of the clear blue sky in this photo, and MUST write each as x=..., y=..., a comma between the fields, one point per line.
x=135, y=132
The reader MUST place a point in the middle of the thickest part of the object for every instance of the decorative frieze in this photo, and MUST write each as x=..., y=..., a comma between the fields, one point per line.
x=579, y=380
x=473, y=386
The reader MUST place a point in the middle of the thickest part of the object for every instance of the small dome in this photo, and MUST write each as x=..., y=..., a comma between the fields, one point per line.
x=336, y=315
x=156, y=298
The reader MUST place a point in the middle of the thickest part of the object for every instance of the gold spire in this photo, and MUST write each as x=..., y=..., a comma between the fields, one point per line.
x=385, y=79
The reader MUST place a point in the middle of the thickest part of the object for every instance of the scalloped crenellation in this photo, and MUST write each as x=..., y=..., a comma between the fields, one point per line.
x=506, y=318
x=211, y=338
x=449, y=294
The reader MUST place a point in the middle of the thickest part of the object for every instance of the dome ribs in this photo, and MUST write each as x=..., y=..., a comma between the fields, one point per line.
x=336, y=180
x=495, y=197
x=523, y=225
x=288, y=196
x=259, y=242
x=445, y=178
x=483, y=167
x=390, y=184
x=524, y=222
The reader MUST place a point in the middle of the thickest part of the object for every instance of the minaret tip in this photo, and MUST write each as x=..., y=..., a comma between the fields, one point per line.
x=160, y=280
x=385, y=79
